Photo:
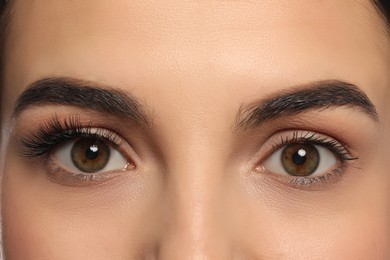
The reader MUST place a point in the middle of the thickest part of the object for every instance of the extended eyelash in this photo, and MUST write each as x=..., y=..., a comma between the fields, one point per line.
x=342, y=151
x=55, y=132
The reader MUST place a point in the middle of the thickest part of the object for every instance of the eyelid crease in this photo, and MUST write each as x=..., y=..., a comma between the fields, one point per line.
x=308, y=137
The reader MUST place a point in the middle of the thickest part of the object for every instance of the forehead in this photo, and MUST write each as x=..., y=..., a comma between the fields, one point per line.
x=272, y=42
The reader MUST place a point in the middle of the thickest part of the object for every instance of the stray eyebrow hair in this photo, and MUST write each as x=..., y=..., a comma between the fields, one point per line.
x=82, y=94
x=316, y=96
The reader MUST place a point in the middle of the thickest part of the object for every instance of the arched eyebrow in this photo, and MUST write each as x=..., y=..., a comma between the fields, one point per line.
x=77, y=93
x=315, y=96
x=85, y=95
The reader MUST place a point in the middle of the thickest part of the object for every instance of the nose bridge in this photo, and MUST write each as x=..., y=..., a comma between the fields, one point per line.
x=194, y=229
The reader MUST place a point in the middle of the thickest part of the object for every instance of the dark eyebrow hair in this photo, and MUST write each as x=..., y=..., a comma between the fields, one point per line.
x=383, y=6
x=82, y=94
x=319, y=95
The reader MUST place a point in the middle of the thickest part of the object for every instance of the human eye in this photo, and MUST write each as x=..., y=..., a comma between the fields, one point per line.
x=306, y=159
x=74, y=155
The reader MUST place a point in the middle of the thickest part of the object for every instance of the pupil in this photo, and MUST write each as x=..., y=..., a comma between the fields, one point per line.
x=90, y=155
x=92, y=152
x=299, y=157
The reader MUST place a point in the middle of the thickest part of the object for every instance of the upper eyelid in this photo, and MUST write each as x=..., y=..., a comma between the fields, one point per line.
x=274, y=142
x=315, y=138
x=66, y=129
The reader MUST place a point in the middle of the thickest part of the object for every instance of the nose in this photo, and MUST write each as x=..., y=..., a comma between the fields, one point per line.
x=193, y=235
x=195, y=224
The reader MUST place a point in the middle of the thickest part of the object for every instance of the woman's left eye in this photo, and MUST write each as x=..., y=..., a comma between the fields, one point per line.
x=301, y=160
x=89, y=155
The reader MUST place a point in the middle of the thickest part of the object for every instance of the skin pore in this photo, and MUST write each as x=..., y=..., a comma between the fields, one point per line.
x=184, y=93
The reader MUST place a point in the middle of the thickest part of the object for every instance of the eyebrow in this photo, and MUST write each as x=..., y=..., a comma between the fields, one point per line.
x=384, y=9
x=315, y=96
x=82, y=94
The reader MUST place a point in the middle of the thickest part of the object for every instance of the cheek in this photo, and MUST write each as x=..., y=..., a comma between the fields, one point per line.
x=350, y=221
x=365, y=240
x=31, y=231
x=26, y=226
x=41, y=223
x=325, y=237
x=354, y=239
x=36, y=235
x=359, y=232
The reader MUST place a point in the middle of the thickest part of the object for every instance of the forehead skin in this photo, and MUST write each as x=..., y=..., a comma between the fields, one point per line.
x=259, y=44
x=195, y=62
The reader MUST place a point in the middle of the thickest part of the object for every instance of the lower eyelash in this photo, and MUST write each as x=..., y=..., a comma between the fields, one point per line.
x=318, y=180
x=59, y=175
x=57, y=172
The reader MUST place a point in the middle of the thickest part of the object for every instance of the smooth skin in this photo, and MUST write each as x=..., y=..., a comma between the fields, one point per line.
x=194, y=193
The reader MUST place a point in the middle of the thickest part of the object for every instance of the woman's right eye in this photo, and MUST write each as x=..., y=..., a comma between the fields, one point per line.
x=75, y=153
x=89, y=155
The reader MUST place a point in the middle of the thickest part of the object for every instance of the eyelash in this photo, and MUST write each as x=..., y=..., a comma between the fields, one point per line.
x=53, y=133
x=341, y=150
x=40, y=144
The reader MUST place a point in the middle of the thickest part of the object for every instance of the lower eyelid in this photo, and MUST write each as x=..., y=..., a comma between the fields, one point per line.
x=58, y=174
x=279, y=139
x=315, y=183
x=327, y=178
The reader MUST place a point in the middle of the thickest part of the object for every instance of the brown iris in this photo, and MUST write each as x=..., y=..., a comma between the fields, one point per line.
x=90, y=155
x=300, y=159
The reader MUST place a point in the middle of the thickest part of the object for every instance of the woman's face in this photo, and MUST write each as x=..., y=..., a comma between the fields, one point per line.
x=196, y=130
